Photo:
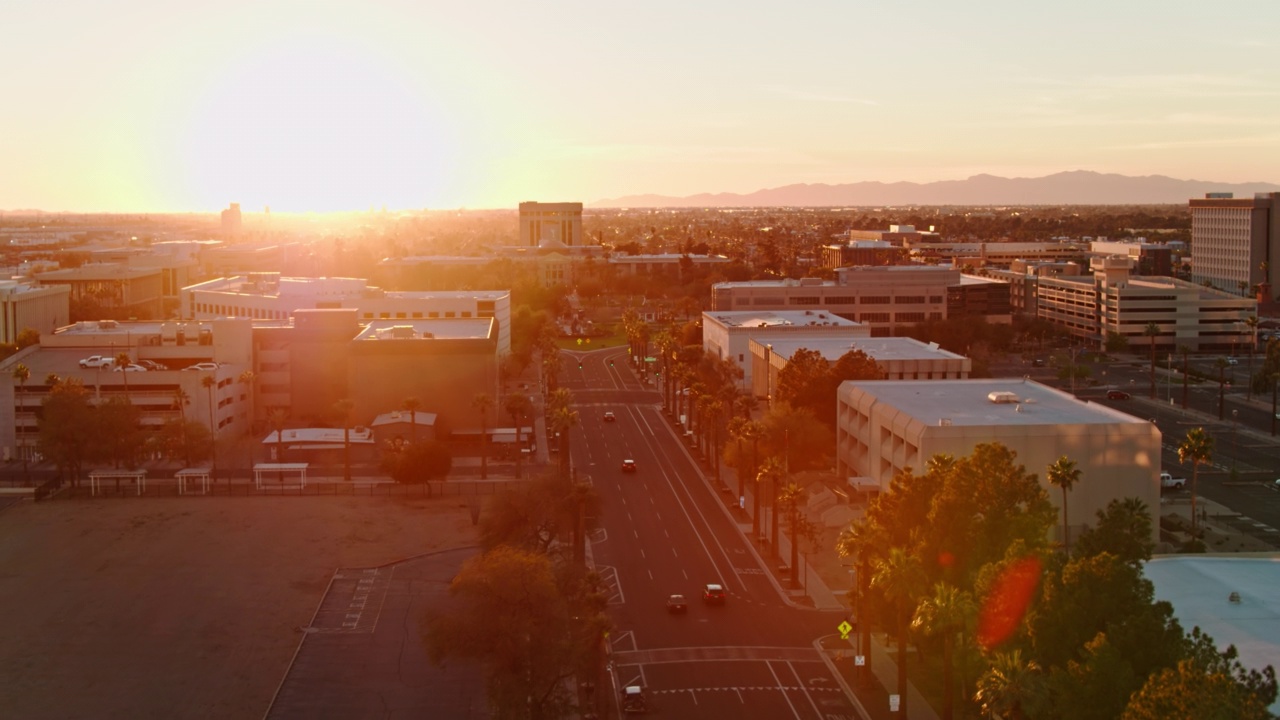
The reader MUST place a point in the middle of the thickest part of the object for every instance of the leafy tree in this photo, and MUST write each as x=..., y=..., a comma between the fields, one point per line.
x=538, y=515
x=182, y=441
x=67, y=426
x=508, y=613
x=119, y=439
x=1196, y=449
x=420, y=462
x=1123, y=529
x=1064, y=474
x=797, y=436
x=411, y=405
x=1191, y=690
x=27, y=337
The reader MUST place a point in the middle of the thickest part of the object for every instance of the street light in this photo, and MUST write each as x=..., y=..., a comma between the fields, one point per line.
x=1235, y=429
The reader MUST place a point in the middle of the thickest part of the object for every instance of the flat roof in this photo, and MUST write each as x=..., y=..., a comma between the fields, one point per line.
x=428, y=329
x=320, y=436
x=880, y=348
x=965, y=403
x=1199, y=586
x=777, y=318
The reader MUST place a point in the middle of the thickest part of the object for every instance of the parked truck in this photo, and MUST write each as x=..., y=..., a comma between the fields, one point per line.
x=633, y=700
x=1169, y=482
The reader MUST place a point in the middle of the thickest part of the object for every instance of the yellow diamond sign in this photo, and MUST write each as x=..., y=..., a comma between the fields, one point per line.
x=844, y=627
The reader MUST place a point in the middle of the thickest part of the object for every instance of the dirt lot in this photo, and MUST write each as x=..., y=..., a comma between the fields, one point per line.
x=182, y=608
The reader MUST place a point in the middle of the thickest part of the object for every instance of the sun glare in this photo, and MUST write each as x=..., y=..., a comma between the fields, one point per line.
x=316, y=126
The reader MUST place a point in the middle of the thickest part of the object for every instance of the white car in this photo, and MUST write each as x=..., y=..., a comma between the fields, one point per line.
x=202, y=366
x=131, y=367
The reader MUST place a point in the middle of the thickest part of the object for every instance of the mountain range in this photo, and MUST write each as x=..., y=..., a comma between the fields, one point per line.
x=1077, y=187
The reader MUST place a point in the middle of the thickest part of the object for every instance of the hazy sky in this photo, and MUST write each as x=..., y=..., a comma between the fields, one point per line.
x=148, y=105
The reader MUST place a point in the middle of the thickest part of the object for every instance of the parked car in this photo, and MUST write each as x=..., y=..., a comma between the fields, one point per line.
x=97, y=361
x=1169, y=482
x=1117, y=395
x=131, y=367
x=610, y=417
x=202, y=366
x=677, y=604
x=628, y=466
x=713, y=594
x=1232, y=361
x=152, y=365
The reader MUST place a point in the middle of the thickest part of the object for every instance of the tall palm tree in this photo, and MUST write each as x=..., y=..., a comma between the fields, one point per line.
x=738, y=431
x=123, y=361
x=900, y=577
x=411, y=405
x=1064, y=474
x=208, y=383
x=1152, y=331
x=1197, y=449
x=791, y=499
x=518, y=407
x=563, y=419
x=250, y=378
x=770, y=472
x=21, y=373
x=343, y=408
x=1252, y=323
x=483, y=403
x=1008, y=687
x=945, y=614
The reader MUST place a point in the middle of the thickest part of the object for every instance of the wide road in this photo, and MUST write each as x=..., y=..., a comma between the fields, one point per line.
x=663, y=531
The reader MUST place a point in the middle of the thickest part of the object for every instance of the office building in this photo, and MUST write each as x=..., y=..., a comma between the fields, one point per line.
x=899, y=358
x=726, y=335
x=884, y=427
x=1235, y=241
x=543, y=223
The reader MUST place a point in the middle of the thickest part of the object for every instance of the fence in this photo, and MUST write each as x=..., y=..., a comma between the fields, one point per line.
x=168, y=487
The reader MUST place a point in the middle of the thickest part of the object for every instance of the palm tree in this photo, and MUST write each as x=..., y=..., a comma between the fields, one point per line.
x=738, y=431
x=277, y=417
x=1008, y=687
x=562, y=419
x=900, y=576
x=1196, y=449
x=209, y=383
x=1252, y=323
x=483, y=403
x=411, y=405
x=519, y=407
x=21, y=373
x=1064, y=474
x=770, y=473
x=1152, y=330
x=945, y=614
x=123, y=361
x=791, y=498
x=343, y=408
x=249, y=377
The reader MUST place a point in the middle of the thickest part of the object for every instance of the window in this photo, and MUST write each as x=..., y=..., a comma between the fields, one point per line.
x=417, y=316
x=804, y=300
x=433, y=314
x=910, y=317
x=450, y=313
x=400, y=316
x=466, y=313
x=873, y=300
x=908, y=300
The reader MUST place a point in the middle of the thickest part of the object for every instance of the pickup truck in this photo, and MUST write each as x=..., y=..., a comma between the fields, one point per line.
x=1169, y=482
x=97, y=361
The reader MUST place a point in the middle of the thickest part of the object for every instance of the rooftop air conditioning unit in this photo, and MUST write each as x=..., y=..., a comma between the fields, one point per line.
x=1003, y=397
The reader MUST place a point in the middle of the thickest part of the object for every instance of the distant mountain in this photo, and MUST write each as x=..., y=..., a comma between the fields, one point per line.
x=1078, y=187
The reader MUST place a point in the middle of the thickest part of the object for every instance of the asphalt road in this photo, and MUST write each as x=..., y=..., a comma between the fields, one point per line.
x=1246, y=456
x=664, y=531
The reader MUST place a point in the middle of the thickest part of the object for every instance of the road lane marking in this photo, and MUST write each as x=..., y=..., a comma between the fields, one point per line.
x=783, y=690
x=804, y=689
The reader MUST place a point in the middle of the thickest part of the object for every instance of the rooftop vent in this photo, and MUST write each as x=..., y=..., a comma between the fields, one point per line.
x=1003, y=397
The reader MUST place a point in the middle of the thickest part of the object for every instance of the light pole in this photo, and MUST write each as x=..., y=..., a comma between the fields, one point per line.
x=1235, y=430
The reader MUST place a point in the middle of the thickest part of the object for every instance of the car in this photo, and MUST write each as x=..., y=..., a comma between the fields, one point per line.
x=131, y=367
x=677, y=604
x=628, y=466
x=1117, y=395
x=97, y=361
x=1038, y=362
x=610, y=417
x=713, y=594
x=1232, y=361
x=202, y=366
x=152, y=365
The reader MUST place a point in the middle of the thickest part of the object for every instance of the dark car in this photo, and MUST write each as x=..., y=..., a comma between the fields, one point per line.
x=713, y=594
x=1038, y=362
x=1117, y=395
x=610, y=417
x=628, y=466
x=677, y=604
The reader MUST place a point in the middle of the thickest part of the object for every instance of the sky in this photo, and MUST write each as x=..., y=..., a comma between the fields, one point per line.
x=330, y=105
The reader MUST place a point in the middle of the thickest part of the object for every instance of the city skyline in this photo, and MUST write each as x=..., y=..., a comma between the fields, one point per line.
x=141, y=106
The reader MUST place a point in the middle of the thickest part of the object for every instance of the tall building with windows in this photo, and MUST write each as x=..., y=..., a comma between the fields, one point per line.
x=1235, y=242
x=542, y=223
